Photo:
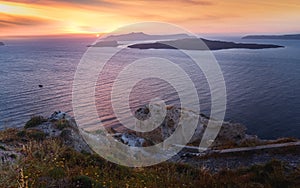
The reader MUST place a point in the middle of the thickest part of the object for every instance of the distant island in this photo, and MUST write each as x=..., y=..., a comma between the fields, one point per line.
x=1, y=44
x=197, y=44
x=175, y=41
x=112, y=43
x=140, y=36
x=277, y=37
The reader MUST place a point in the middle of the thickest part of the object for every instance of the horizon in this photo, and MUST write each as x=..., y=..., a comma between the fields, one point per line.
x=23, y=18
x=97, y=35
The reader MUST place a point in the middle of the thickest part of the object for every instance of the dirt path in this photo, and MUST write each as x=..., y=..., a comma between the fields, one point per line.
x=216, y=160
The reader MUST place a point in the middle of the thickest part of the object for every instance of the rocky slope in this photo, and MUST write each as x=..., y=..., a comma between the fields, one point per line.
x=60, y=125
x=230, y=134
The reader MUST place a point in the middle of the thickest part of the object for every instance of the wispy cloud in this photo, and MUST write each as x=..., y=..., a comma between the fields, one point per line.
x=11, y=21
x=192, y=2
x=199, y=2
x=71, y=3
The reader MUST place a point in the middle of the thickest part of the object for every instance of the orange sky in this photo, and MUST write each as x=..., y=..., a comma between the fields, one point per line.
x=48, y=17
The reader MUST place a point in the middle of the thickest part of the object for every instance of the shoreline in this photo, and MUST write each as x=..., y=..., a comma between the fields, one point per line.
x=55, y=145
x=61, y=125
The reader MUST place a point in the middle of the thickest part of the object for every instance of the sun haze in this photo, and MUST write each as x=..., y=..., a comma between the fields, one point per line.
x=48, y=17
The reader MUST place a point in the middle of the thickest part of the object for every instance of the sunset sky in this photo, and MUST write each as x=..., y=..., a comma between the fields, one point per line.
x=50, y=17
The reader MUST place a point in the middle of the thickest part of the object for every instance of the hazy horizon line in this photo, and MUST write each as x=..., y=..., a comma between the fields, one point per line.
x=95, y=35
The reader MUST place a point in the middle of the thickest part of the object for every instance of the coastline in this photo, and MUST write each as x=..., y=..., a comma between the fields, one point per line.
x=60, y=131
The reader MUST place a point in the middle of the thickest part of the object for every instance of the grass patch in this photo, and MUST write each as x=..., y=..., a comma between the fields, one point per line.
x=57, y=173
x=16, y=136
x=9, y=135
x=36, y=135
x=35, y=121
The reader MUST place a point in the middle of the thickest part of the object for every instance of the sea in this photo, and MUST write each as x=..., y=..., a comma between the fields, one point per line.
x=262, y=86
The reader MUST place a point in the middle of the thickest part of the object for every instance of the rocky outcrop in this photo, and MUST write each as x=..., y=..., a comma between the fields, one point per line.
x=230, y=134
x=168, y=126
x=7, y=154
x=61, y=125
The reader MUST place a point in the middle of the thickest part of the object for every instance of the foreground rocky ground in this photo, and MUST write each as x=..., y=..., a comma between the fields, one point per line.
x=51, y=153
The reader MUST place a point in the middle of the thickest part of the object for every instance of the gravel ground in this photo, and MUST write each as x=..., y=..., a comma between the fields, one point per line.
x=216, y=162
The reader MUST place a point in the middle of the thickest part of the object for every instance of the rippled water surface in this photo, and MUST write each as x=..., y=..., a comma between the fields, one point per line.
x=263, y=86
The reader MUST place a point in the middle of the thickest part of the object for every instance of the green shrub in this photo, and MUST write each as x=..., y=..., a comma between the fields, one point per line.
x=21, y=134
x=82, y=181
x=37, y=135
x=57, y=173
x=61, y=124
x=35, y=121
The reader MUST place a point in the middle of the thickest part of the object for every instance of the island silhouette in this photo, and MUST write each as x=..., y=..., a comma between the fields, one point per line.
x=175, y=41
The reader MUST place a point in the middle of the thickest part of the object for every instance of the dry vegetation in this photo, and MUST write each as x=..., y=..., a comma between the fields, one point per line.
x=47, y=162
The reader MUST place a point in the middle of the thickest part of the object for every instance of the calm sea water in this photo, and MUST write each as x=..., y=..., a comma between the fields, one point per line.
x=263, y=86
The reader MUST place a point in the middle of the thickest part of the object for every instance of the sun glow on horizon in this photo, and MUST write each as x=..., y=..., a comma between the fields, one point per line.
x=20, y=17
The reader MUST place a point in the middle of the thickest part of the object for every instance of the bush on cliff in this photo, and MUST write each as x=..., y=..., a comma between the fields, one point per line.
x=35, y=121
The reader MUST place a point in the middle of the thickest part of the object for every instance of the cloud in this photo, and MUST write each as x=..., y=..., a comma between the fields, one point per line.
x=197, y=2
x=206, y=18
x=7, y=20
x=110, y=3
x=70, y=2
x=104, y=3
x=190, y=2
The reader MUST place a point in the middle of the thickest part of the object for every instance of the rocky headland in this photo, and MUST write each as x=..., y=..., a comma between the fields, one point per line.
x=231, y=135
x=49, y=152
